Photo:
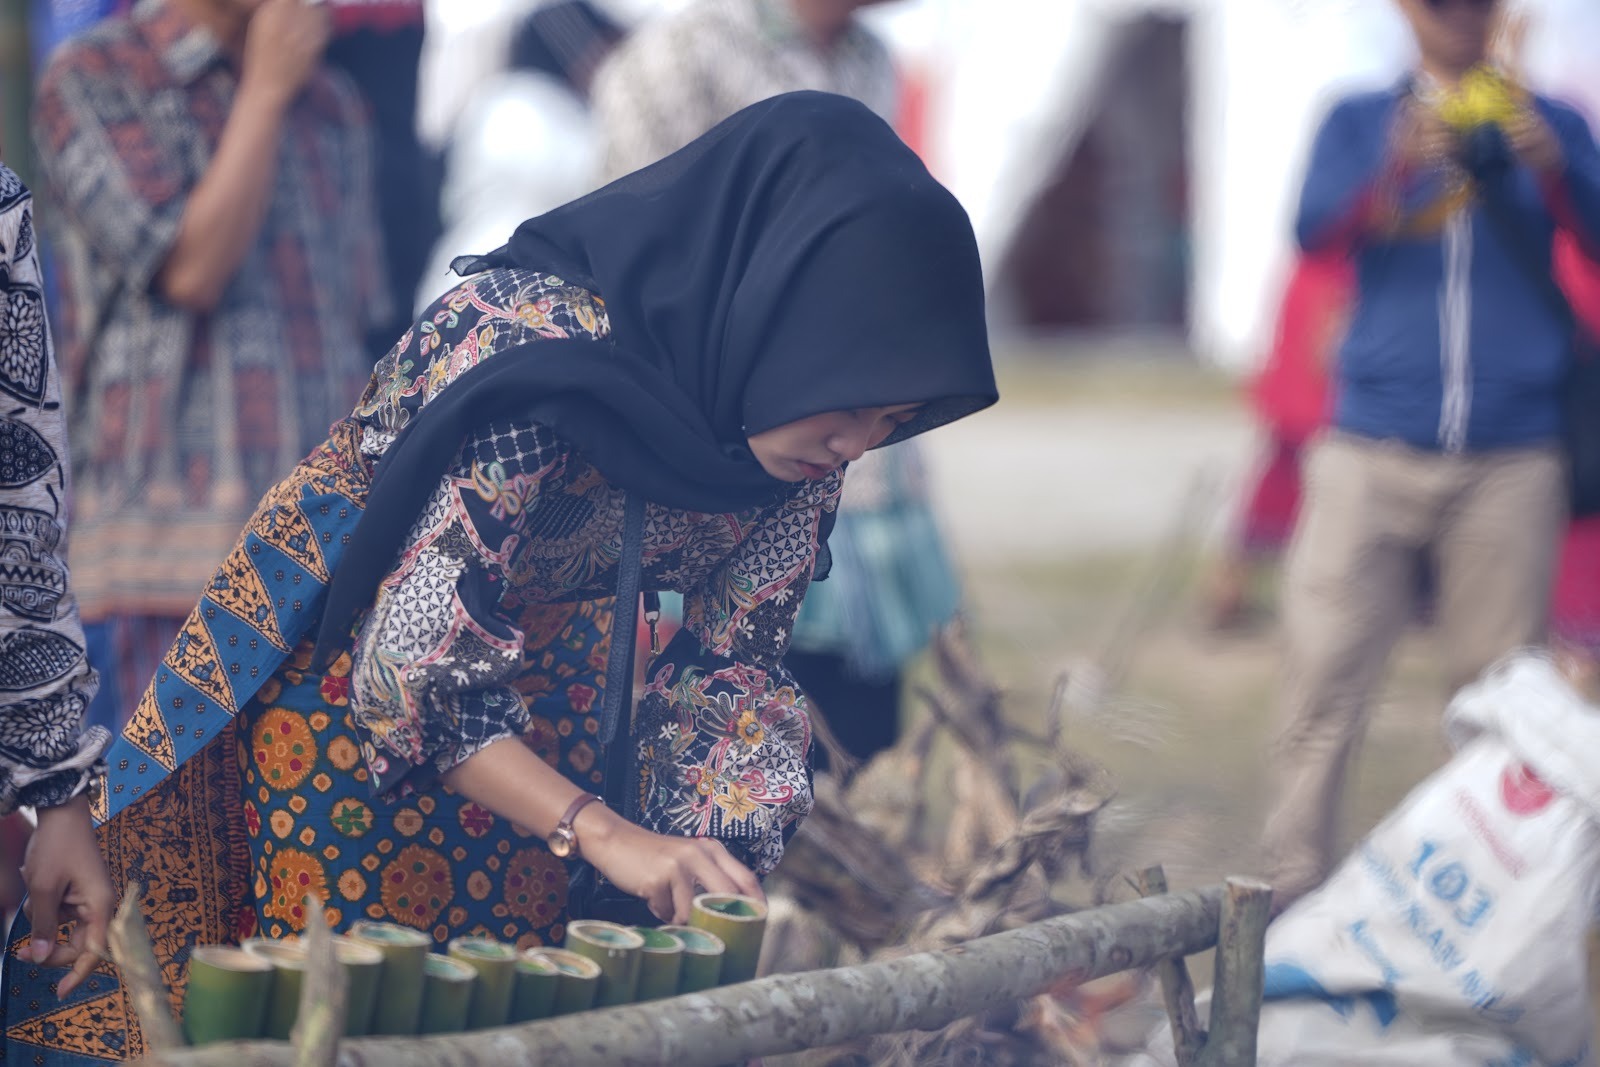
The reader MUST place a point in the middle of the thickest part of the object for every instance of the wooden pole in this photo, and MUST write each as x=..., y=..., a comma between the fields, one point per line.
x=1177, y=989
x=322, y=995
x=1240, y=974
x=141, y=974
x=818, y=1009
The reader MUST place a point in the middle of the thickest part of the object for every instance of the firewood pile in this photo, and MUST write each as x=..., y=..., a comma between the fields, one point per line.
x=869, y=877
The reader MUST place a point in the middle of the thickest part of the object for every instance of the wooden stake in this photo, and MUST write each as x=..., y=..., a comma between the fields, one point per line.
x=141, y=974
x=1240, y=974
x=1177, y=989
x=322, y=996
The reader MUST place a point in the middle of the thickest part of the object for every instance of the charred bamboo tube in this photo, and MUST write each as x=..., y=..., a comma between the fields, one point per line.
x=576, y=984
x=702, y=958
x=741, y=922
x=227, y=994
x=534, y=994
x=399, y=999
x=660, y=964
x=447, y=992
x=617, y=950
x=496, y=965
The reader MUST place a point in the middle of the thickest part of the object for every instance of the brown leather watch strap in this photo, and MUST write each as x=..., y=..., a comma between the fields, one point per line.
x=582, y=801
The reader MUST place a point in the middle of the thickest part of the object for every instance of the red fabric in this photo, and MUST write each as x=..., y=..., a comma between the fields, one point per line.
x=1575, y=605
x=1274, y=502
x=1291, y=393
x=381, y=15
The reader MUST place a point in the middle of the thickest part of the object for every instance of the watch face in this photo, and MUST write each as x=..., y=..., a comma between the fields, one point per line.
x=562, y=842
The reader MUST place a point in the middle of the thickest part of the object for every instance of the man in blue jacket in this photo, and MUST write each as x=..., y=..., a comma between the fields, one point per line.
x=1444, y=439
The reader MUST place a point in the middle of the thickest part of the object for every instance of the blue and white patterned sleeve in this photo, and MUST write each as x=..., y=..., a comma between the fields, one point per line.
x=47, y=756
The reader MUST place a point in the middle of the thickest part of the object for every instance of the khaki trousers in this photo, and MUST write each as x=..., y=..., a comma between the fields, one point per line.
x=1490, y=521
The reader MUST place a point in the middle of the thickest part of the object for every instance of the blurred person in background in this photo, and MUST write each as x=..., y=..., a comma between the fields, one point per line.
x=892, y=584
x=1447, y=410
x=378, y=44
x=526, y=142
x=49, y=756
x=221, y=266
x=1290, y=401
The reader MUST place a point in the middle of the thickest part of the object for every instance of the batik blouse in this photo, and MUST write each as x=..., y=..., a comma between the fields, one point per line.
x=523, y=520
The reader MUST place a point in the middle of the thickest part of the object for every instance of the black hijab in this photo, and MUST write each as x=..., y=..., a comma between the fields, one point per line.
x=796, y=259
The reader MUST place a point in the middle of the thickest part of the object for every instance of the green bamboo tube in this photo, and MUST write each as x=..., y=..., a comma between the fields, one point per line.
x=576, y=984
x=362, y=963
x=617, y=950
x=363, y=970
x=447, y=991
x=288, y=959
x=660, y=964
x=399, y=1000
x=496, y=965
x=702, y=957
x=534, y=995
x=227, y=994
x=741, y=922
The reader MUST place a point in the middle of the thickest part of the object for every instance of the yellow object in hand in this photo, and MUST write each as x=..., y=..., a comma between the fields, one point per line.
x=1483, y=98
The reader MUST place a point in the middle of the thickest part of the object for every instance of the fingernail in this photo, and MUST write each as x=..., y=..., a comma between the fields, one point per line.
x=39, y=949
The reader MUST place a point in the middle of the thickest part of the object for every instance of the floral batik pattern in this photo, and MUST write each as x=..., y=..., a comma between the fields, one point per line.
x=523, y=520
x=433, y=861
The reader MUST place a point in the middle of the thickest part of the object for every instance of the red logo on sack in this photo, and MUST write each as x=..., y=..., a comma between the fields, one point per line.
x=1523, y=791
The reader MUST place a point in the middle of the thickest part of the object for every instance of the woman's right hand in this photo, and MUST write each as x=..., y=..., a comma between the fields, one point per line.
x=666, y=871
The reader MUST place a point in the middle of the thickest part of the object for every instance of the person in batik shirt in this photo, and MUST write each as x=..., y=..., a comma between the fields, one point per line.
x=48, y=758
x=212, y=179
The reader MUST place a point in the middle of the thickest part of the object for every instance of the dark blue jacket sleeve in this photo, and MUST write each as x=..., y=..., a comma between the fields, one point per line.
x=1575, y=193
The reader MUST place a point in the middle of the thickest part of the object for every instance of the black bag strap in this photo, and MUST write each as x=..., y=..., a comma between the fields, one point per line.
x=616, y=710
x=619, y=660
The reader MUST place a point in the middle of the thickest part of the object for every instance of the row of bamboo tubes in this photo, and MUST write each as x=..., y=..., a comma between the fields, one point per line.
x=394, y=984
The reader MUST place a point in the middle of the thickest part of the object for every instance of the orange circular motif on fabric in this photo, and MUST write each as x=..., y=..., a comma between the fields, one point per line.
x=475, y=820
x=436, y=837
x=294, y=875
x=426, y=804
x=297, y=804
x=322, y=783
x=343, y=753
x=417, y=886
x=319, y=721
x=284, y=749
x=478, y=885
x=308, y=837
x=351, y=817
x=352, y=886
x=408, y=822
x=282, y=823
x=535, y=886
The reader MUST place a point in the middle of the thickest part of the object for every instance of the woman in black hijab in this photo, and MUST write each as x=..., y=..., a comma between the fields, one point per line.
x=701, y=346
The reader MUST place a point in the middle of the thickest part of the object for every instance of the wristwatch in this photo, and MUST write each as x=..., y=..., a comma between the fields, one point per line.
x=563, y=840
